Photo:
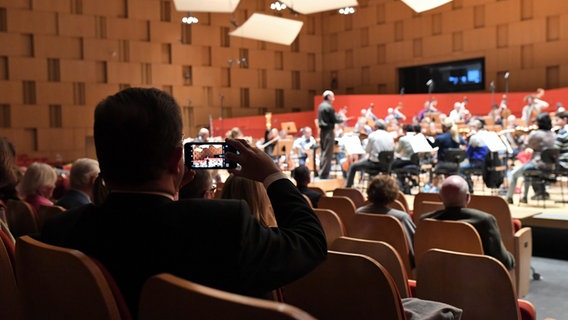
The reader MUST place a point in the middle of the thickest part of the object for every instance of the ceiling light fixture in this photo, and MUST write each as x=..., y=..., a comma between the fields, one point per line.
x=189, y=19
x=347, y=10
x=277, y=6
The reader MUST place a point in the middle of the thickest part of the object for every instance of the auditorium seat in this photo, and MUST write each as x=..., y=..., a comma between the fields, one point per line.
x=9, y=294
x=331, y=223
x=354, y=194
x=21, y=218
x=166, y=296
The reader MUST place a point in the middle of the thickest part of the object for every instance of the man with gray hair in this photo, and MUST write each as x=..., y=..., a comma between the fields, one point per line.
x=455, y=196
x=82, y=178
x=378, y=141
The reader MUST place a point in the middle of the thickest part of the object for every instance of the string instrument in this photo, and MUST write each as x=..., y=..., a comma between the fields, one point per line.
x=264, y=145
x=519, y=130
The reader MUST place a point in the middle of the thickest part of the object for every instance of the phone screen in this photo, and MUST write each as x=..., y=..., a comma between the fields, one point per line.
x=207, y=155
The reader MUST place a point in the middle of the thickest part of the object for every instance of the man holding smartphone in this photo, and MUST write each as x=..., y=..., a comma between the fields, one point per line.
x=139, y=230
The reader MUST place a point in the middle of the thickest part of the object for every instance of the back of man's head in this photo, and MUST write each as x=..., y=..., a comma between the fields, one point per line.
x=302, y=175
x=455, y=192
x=136, y=131
x=380, y=124
x=83, y=173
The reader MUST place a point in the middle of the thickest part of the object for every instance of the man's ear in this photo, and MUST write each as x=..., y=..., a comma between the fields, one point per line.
x=174, y=160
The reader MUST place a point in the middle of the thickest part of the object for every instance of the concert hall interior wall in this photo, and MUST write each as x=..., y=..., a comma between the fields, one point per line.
x=58, y=58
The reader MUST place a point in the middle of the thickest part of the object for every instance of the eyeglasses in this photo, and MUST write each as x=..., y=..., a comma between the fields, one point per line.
x=212, y=190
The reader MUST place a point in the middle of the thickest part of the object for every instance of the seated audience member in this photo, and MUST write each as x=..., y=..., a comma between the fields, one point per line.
x=455, y=196
x=10, y=173
x=37, y=185
x=82, y=178
x=254, y=194
x=201, y=187
x=302, y=176
x=381, y=191
x=140, y=231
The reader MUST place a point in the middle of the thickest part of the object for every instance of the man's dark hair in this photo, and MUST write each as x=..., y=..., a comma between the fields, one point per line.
x=543, y=121
x=301, y=174
x=136, y=130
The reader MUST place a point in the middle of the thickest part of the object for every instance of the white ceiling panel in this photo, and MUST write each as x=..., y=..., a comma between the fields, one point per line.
x=269, y=28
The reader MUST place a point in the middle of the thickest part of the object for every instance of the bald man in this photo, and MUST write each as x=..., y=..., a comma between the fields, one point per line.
x=455, y=196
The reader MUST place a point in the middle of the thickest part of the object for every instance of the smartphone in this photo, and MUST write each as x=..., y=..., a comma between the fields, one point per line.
x=208, y=155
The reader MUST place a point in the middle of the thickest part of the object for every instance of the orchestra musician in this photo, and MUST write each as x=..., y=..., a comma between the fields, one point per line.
x=449, y=139
x=476, y=151
x=537, y=141
x=534, y=106
x=561, y=121
x=379, y=140
x=398, y=115
x=403, y=153
x=303, y=145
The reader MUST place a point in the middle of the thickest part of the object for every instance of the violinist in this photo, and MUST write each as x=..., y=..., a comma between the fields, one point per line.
x=303, y=145
x=403, y=153
x=449, y=139
x=476, y=151
x=537, y=141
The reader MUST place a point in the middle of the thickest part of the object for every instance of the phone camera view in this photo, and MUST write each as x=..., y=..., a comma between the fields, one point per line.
x=207, y=156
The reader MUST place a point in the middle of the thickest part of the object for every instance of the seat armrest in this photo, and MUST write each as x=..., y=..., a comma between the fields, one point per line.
x=527, y=310
x=412, y=287
x=523, y=253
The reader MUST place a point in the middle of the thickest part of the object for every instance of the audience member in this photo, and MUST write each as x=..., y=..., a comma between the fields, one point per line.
x=455, y=196
x=37, y=185
x=140, y=231
x=379, y=140
x=254, y=194
x=10, y=173
x=201, y=187
x=381, y=191
x=82, y=178
x=234, y=133
x=302, y=176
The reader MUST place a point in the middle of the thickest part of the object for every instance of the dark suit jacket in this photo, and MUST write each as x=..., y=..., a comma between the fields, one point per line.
x=313, y=195
x=444, y=142
x=217, y=243
x=73, y=199
x=486, y=226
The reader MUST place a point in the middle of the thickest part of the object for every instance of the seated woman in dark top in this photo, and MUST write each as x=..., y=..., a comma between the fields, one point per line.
x=381, y=191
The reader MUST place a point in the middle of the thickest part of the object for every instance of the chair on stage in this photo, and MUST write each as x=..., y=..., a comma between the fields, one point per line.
x=331, y=223
x=448, y=235
x=347, y=286
x=166, y=296
x=381, y=252
x=478, y=284
x=386, y=159
x=381, y=227
x=519, y=243
x=343, y=206
x=543, y=176
x=452, y=160
x=21, y=218
x=60, y=283
x=354, y=194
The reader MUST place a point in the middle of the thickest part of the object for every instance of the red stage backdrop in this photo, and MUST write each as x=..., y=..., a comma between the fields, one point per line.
x=479, y=104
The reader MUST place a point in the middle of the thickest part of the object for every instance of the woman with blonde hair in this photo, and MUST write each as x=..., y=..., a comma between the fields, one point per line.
x=37, y=185
x=254, y=194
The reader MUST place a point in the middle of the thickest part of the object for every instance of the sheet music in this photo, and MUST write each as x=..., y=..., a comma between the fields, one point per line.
x=353, y=145
x=419, y=143
x=492, y=141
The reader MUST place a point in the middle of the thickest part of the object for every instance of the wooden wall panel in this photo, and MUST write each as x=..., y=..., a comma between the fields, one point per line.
x=19, y=44
x=164, y=32
x=11, y=93
x=74, y=25
x=206, y=76
x=100, y=49
x=36, y=22
x=280, y=80
x=130, y=73
x=261, y=59
x=58, y=47
x=141, y=51
x=144, y=9
x=244, y=78
x=54, y=93
x=501, y=12
x=110, y=8
x=295, y=61
x=437, y=46
x=186, y=55
x=205, y=35
x=167, y=74
x=21, y=116
x=51, y=5
x=78, y=71
x=129, y=29
x=28, y=68
x=78, y=116
x=479, y=39
x=18, y=4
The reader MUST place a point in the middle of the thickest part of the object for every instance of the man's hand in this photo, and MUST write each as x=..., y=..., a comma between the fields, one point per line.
x=255, y=163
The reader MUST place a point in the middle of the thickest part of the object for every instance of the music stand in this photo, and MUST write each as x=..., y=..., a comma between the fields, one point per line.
x=289, y=127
